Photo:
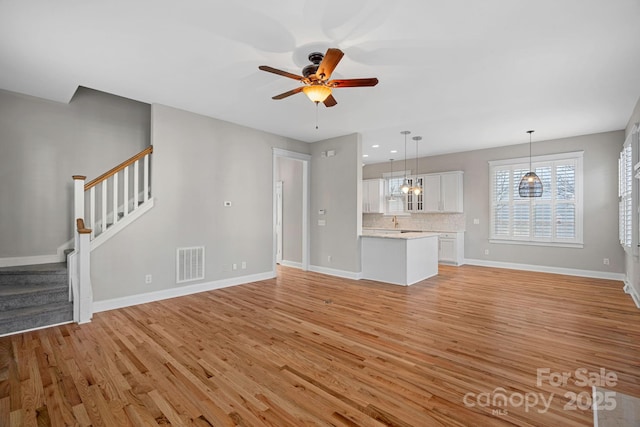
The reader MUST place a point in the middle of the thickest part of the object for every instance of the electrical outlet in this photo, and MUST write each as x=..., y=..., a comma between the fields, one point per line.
x=476, y=221
x=329, y=258
x=234, y=266
x=486, y=251
x=244, y=264
x=605, y=261
x=148, y=279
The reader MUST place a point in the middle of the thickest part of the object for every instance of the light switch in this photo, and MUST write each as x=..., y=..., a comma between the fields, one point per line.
x=476, y=221
x=322, y=222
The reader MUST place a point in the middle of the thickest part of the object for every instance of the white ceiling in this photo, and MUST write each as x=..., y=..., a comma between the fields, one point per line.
x=463, y=74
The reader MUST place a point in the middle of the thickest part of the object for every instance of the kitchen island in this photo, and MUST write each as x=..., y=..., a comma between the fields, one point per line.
x=399, y=258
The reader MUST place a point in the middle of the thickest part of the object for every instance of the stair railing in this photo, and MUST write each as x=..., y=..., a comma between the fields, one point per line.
x=114, y=199
x=115, y=194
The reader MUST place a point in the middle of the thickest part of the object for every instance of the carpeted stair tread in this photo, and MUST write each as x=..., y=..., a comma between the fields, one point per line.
x=34, y=317
x=34, y=296
x=52, y=268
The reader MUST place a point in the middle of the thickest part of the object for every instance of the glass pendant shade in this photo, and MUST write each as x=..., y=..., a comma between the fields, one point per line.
x=317, y=93
x=405, y=186
x=530, y=184
x=416, y=190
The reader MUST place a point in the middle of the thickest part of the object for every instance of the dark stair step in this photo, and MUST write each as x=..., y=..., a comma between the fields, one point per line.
x=25, y=295
x=55, y=273
x=25, y=318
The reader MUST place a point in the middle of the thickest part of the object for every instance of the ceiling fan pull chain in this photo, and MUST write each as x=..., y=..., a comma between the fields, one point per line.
x=317, y=114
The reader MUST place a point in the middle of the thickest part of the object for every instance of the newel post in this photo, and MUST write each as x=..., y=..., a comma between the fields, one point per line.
x=78, y=201
x=85, y=292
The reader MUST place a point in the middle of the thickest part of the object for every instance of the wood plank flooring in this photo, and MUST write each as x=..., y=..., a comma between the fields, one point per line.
x=309, y=349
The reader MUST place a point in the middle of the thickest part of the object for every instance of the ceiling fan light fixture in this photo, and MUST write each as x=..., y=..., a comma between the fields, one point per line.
x=317, y=93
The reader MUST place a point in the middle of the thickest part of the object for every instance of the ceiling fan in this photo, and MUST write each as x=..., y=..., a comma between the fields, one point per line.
x=315, y=78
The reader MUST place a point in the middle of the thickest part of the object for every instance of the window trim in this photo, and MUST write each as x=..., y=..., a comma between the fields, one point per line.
x=385, y=177
x=578, y=241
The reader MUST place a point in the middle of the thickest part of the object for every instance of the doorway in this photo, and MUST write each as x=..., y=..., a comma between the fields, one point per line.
x=291, y=245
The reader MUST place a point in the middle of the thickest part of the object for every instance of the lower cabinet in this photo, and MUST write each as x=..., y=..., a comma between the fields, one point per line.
x=451, y=248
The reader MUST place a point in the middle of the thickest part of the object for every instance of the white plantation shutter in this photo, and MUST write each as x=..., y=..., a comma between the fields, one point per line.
x=625, y=192
x=554, y=218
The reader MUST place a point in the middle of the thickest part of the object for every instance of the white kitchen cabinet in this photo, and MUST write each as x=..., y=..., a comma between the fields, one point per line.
x=443, y=192
x=373, y=196
x=415, y=203
x=451, y=248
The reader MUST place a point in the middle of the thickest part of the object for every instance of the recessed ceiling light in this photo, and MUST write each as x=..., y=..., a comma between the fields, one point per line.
x=375, y=146
x=393, y=151
x=365, y=155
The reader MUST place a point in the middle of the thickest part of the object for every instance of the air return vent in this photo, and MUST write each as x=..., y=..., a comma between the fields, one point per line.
x=189, y=264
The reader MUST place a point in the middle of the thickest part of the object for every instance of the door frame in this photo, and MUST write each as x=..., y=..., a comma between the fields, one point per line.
x=306, y=163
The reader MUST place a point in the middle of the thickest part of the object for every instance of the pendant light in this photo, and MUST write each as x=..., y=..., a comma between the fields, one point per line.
x=530, y=184
x=416, y=189
x=405, y=184
x=391, y=198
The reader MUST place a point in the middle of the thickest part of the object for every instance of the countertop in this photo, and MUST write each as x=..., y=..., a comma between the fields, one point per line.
x=396, y=234
x=388, y=230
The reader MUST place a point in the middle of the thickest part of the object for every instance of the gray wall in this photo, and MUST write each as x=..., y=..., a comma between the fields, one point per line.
x=632, y=263
x=198, y=163
x=335, y=187
x=601, y=153
x=289, y=171
x=44, y=143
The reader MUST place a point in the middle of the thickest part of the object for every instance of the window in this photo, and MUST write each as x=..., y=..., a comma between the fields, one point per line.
x=394, y=198
x=626, y=202
x=554, y=219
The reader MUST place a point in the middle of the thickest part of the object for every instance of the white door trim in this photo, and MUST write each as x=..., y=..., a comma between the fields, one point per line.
x=306, y=163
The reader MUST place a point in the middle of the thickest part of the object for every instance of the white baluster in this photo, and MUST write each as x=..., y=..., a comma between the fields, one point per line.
x=136, y=185
x=146, y=177
x=104, y=205
x=92, y=206
x=115, y=198
x=126, y=191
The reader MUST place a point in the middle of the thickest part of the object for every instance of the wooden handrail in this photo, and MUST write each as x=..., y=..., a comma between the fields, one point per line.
x=118, y=168
x=81, y=229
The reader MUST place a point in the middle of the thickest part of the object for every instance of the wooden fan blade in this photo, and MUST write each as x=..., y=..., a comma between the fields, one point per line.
x=353, y=82
x=286, y=94
x=280, y=72
x=329, y=63
x=330, y=101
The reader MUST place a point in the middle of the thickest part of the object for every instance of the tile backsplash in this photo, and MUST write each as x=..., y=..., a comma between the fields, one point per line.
x=418, y=221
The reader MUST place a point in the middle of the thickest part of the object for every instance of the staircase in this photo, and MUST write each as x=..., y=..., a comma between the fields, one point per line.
x=34, y=296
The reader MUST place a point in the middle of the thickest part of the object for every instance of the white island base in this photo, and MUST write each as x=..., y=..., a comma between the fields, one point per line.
x=399, y=259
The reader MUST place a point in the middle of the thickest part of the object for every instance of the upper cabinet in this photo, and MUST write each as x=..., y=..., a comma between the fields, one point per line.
x=373, y=196
x=442, y=192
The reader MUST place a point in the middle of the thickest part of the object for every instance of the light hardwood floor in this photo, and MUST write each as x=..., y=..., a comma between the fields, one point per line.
x=309, y=349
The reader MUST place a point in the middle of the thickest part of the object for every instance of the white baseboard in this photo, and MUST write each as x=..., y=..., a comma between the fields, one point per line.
x=628, y=288
x=546, y=269
x=28, y=260
x=112, y=304
x=333, y=272
x=292, y=264
x=38, y=259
